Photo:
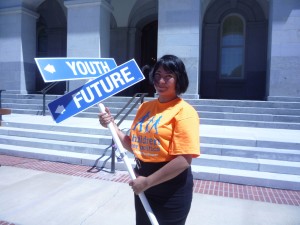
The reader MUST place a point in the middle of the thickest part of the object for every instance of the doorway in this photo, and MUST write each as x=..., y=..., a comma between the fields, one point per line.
x=51, y=39
x=148, y=55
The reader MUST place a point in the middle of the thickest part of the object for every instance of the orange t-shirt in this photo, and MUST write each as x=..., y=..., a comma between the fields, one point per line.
x=160, y=131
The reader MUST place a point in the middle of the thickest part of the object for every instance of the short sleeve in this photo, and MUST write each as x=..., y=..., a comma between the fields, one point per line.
x=186, y=139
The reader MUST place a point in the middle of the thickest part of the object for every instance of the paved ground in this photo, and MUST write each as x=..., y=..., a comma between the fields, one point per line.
x=34, y=192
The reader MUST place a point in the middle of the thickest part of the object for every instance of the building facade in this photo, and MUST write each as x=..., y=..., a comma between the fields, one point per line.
x=232, y=49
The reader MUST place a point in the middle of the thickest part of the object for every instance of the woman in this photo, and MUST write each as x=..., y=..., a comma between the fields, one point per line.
x=164, y=137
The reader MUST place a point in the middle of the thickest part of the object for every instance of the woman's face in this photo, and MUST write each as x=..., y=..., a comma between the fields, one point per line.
x=165, y=84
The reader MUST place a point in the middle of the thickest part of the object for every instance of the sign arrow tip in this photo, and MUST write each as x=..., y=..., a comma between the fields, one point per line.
x=60, y=109
x=50, y=68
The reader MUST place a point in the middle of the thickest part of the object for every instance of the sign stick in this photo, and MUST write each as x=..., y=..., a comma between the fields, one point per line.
x=129, y=168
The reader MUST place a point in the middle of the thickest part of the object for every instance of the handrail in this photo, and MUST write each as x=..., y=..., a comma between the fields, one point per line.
x=44, y=92
x=141, y=100
x=0, y=96
x=1, y=102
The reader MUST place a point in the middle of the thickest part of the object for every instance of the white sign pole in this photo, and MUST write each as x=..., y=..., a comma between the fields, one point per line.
x=129, y=168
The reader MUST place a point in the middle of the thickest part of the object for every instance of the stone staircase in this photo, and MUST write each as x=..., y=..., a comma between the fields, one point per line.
x=265, y=114
x=244, y=142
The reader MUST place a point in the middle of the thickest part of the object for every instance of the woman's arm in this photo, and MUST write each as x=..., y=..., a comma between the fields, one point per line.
x=167, y=172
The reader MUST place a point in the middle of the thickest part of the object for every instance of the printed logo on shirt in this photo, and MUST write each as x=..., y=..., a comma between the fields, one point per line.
x=152, y=124
x=144, y=143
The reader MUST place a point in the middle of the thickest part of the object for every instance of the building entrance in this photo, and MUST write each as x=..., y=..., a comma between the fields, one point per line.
x=234, y=51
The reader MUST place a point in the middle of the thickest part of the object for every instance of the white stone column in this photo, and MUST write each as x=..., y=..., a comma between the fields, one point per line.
x=88, y=31
x=17, y=49
x=284, y=50
x=134, y=47
x=179, y=34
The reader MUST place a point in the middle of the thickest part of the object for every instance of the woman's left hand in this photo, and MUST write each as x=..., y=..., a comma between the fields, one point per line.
x=139, y=184
x=105, y=117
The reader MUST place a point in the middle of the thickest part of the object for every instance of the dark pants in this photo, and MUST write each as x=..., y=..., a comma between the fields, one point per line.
x=170, y=201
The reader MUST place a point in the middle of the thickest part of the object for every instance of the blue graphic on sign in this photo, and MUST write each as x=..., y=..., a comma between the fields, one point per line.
x=58, y=69
x=95, y=91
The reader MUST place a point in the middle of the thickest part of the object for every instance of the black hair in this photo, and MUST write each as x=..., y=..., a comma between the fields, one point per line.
x=172, y=63
x=146, y=70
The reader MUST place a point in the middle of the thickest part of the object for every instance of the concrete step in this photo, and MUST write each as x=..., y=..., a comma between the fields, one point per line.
x=52, y=126
x=245, y=123
x=52, y=155
x=251, y=152
x=27, y=106
x=95, y=136
x=13, y=103
x=222, y=122
x=213, y=118
x=284, y=99
x=269, y=114
x=266, y=165
x=247, y=177
x=8, y=95
x=238, y=176
x=68, y=146
x=200, y=104
x=82, y=141
x=276, y=144
x=218, y=112
x=210, y=121
x=55, y=135
x=245, y=103
x=208, y=102
x=252, y=164
x=251, y=117
x=249, y=110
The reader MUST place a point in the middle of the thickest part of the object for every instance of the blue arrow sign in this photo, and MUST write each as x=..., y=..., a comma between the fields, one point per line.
x=58, y=69
x=95, y=91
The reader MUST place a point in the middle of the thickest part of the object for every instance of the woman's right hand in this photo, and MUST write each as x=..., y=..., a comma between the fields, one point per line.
x=105, y=117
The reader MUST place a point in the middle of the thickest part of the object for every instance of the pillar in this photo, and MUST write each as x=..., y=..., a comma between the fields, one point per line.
x=284, y=50
x=179, y=34
x=88, y=31
x=17, y=49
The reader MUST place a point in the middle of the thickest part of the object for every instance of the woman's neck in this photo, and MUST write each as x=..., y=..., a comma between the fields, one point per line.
x=164, y=99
